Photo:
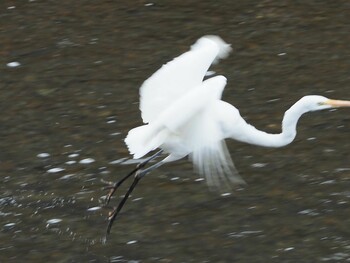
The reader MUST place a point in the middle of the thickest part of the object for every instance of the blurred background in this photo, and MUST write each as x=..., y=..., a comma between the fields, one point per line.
x=70, y=72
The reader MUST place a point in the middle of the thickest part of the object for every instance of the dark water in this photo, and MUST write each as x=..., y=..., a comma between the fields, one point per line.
x=75, y=96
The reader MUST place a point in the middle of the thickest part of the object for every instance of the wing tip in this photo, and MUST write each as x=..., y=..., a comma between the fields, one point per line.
x=224, y=49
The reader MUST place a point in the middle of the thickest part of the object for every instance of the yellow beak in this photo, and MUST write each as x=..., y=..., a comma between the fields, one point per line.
x=338, y=103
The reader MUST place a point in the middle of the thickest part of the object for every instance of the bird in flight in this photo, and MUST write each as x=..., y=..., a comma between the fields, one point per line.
x=184, y=115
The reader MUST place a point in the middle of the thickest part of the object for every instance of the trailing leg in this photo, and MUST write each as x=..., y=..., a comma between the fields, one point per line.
x=139, y=175
x=113, y=187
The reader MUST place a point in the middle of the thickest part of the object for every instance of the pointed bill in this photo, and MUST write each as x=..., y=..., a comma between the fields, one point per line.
x=338, y=103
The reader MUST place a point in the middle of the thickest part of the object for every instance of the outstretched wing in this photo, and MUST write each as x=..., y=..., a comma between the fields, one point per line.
x=177, y=77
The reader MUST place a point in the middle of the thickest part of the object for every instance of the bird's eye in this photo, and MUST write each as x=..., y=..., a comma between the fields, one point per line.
x=321, y=103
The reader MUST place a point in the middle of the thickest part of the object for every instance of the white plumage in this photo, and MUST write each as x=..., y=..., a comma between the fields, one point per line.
x=180, y=109
x=176, y=78
x=185, y=115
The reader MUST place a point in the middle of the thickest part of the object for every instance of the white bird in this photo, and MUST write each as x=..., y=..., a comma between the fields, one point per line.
x=185, y=116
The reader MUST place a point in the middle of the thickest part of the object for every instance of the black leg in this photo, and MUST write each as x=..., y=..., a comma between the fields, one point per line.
x=116, y=211
x=139, y=175
x=114, y=187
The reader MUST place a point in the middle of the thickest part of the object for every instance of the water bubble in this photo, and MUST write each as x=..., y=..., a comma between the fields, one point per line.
x=13, y=64
x=309, y=212
x=43, y=155
x=328, y=182
x=53, y=221
x=67, y=176
x=115, y=258
x=258, y=165
x=245, y=233
x=336, y=257
x=55, y=170
x=9, y=225
x=95, y=208
x=199, y=179
x=137, y=199
x=86, y=161
x=342, y=169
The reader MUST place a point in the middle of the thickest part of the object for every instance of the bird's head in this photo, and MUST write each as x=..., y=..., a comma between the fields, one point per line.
x=316, y=102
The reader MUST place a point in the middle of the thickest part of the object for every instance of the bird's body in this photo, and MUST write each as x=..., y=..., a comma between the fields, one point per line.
x=181, y=111
x=184, y=115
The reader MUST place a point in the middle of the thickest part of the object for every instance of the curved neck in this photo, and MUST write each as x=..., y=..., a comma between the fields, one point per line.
x=289, y=123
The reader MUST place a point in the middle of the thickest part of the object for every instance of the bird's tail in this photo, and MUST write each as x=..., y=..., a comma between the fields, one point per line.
x=143, y=139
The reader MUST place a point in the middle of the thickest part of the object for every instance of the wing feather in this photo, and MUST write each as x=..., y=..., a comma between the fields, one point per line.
x=210, y=155
x=174, y=79
x=215, y=164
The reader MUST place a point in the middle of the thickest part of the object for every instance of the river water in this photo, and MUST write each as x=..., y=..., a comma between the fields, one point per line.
x=69, y=78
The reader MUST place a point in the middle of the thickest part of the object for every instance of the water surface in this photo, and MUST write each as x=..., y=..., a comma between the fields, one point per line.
x=70, y=73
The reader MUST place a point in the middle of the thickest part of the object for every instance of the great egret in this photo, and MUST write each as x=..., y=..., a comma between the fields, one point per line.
x=185, y=116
